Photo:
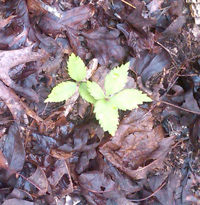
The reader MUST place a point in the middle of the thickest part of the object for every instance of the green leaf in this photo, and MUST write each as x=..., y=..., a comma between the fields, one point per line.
x=107, y=116
x=129, y=99
x=95, y=90
x=84, y=93
x=116, y=79
x=76, y=68
x=61, y=92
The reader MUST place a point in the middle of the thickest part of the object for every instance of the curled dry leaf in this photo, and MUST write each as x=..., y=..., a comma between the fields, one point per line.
x=39, y=179
x=61, y=169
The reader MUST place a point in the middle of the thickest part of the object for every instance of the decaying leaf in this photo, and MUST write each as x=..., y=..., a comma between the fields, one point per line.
x=133, y=143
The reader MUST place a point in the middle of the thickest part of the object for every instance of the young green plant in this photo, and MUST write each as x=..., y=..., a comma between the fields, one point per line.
x=106, y=104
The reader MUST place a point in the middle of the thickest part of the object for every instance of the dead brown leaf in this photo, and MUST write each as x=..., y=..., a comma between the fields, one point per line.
x=13, y=151
x=104, y=44
x=134, y=142
x=37, y=179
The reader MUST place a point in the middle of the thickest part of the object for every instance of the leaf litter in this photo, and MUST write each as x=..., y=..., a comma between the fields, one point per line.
x=57, y=153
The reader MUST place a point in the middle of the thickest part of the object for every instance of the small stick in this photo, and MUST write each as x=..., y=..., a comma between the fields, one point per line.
x=128, y=4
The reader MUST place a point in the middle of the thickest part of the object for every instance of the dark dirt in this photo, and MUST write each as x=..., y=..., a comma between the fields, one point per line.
x=57, y=153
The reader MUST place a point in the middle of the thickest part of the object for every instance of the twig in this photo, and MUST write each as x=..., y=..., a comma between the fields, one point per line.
x=128, y=4
x=181, y=108
x=160, y=187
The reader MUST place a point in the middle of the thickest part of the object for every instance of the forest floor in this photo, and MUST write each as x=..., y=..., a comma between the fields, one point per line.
x=57, y=153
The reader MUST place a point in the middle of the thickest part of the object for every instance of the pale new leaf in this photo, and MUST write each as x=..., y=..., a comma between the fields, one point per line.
x=129, y=99
x=116, y=79
x=95, y=90
x=107, y=116
x=61, y=92
x=84, y=93
x=76, y=68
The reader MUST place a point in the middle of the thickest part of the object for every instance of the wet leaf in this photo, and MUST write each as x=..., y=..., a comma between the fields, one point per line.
x=137, y=20
x=43, y=144
x=96, y=181
x=74, y=18
x=104, y=44
x=9, y=59
x=14, y=150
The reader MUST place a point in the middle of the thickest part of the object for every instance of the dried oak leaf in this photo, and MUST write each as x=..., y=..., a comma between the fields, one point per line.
x=134, y=144
x=105, y=44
